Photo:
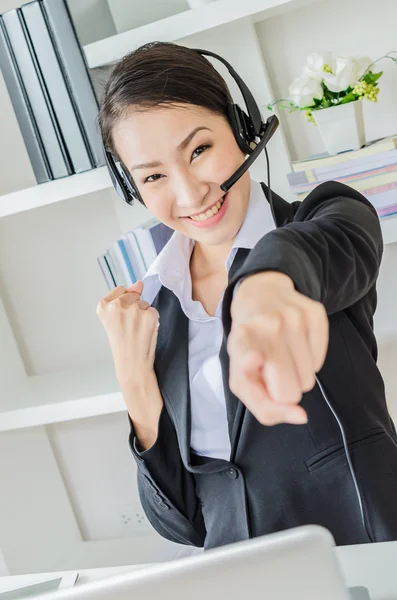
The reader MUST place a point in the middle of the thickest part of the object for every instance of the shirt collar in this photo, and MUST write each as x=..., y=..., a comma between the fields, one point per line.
x=257, y=222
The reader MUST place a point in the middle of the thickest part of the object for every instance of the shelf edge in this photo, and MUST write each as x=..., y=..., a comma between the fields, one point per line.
x=64, y=411
x=55, y=191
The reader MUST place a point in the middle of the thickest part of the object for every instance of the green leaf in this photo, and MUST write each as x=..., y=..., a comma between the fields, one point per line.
x=372, y=77
x=377, y=75
x=348, y=98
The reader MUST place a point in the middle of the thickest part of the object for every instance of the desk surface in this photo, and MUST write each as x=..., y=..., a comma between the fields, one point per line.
x=371, y=565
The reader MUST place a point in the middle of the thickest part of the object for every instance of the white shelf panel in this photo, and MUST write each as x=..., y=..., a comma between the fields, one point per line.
x=62, y=411
x=55, y=191
x=185, y=24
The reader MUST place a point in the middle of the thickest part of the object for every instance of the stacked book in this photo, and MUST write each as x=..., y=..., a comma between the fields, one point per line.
x=372, y=171
x=127, y=260
x=50, y=88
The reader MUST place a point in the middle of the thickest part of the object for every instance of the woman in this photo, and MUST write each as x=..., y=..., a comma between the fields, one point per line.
x=217, y=351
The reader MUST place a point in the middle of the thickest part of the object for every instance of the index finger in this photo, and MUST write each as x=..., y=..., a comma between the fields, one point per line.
x=249, y=387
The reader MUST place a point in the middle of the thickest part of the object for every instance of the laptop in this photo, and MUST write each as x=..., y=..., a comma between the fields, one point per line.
x=296, y=564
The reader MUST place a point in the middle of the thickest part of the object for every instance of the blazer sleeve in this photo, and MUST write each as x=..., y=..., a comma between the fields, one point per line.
x=332, y=249
x=167, y=489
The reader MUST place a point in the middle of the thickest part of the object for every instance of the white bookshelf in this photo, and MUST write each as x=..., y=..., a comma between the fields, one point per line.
x=185, y=24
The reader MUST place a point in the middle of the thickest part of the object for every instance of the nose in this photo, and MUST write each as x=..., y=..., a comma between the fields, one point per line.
x=190, y=192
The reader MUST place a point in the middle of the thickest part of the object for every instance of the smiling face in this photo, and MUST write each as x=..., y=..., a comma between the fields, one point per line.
x=178, y=157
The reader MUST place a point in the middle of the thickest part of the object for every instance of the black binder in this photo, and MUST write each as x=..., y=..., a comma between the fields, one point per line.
x=37, y=94
x=55, y=83
x=75, y=70
x=23, y=110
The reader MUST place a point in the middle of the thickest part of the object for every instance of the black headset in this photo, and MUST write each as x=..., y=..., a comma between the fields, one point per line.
x=249, y=130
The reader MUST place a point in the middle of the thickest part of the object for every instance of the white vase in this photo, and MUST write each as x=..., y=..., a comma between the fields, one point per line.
x=341, y=127
x=197, y=3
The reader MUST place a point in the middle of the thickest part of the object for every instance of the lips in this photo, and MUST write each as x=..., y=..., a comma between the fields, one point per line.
x=208, y=222
x=210, y=212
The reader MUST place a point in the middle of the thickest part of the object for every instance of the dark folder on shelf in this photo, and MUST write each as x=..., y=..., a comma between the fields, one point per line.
x=37, y=94
x=76, y=74
x=78, y=152
x=23, y=110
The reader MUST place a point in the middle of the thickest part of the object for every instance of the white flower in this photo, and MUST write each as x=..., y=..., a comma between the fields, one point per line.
x=314, y=66
x=304, y=90
x=345, y=73
x=363, y=63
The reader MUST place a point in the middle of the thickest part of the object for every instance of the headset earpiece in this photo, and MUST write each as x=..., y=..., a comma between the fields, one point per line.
x=242, y=128
x=122, y=181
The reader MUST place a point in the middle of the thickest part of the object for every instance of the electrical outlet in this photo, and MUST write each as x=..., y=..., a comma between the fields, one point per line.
x=132, y=519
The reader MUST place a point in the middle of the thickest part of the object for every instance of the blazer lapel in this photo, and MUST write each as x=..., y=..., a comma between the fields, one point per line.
x=171, y=365
x=234, y=407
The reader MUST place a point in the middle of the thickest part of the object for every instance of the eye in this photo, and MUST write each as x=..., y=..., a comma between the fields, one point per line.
x=202, y=149
x=147, y=179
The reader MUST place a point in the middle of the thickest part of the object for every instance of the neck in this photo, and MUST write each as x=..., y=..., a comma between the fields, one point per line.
x=208, y=260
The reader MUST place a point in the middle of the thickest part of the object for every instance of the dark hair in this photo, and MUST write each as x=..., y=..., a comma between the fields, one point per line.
x=160, y=73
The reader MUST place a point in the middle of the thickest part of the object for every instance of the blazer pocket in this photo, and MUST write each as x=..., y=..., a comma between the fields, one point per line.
x=327, y=456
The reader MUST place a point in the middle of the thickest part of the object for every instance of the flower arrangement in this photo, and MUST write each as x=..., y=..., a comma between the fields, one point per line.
x=327, y=81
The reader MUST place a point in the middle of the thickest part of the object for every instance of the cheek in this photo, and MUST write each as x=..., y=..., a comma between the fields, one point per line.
x=227, y=160
x=162, y=210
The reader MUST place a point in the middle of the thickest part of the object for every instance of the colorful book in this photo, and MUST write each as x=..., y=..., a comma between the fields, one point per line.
x=365, y=184
x=129, y=258
x=106, y=272
x=302, y=179
x=321, y=160
x=351, y=180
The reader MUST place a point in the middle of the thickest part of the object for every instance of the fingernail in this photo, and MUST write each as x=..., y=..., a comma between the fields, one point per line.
x=296, y=418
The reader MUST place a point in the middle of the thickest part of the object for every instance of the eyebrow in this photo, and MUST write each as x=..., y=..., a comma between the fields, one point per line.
x=180, y=146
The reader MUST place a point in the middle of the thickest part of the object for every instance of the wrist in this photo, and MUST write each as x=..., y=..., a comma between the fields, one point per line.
x=258, y=290
x=137, y=384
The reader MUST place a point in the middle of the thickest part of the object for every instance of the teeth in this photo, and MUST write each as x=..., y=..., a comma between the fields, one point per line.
x=209, y=213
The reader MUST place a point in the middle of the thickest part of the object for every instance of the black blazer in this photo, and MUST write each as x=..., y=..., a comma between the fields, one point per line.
x=286, y=475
